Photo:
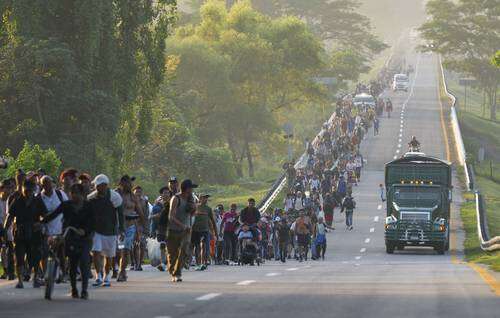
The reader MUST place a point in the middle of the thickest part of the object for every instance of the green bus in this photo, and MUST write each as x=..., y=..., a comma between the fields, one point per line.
x=419, y=193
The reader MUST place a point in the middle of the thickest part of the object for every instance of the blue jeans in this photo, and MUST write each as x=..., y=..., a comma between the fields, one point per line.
x=348, y=217
x=276, y=248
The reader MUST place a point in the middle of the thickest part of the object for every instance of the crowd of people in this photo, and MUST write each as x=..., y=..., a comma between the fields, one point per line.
x=113, y=226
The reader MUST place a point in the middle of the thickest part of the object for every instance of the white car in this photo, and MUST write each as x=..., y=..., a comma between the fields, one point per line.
x=401, y=82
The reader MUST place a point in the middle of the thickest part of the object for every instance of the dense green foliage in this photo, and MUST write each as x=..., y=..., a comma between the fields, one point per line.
x=466, y=33
x=236, y=72
x=80, y=76
x=112, y=87
x=32, y=157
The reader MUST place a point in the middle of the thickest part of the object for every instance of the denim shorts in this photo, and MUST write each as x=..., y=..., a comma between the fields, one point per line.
x=129, y=238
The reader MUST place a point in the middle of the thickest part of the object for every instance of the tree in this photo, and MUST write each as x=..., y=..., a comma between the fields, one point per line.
x=237, y=70
x=466, y=34
x=73, y=74
x=31, y=158
x=337, y=22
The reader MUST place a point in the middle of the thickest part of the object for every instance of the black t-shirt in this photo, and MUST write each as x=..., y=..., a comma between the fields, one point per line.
x=80, y=218
x=26, y=212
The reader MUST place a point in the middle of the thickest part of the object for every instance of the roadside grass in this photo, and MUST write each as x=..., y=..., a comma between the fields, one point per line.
x=472, y=249
x=478, y=131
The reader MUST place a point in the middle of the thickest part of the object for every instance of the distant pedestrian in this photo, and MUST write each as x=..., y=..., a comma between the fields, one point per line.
x=348, y=205
x=376, y=124
x=382, y=192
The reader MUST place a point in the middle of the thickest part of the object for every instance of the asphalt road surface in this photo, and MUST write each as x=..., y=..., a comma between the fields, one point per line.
x=357, y=279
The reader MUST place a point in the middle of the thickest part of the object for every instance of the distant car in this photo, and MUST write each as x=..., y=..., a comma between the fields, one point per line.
x=401, y=82
x=364, y=98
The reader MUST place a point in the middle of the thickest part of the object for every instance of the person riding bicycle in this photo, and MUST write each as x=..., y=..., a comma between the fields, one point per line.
x=414, y=144
x=78, y=217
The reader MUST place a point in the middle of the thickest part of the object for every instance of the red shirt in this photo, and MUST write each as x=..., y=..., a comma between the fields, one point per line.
x=228, y=220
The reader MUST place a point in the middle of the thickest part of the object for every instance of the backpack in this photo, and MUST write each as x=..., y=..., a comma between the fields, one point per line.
x=349, y=203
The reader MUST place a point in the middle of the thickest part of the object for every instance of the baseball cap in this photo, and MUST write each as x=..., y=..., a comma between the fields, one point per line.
x=100, y=179
x=172, y=179
x=188, y=184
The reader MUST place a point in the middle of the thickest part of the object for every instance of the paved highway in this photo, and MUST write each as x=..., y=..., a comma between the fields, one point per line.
x=358, y=279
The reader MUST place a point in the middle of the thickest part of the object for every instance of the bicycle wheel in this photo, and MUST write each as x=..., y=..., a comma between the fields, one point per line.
x=50, y=277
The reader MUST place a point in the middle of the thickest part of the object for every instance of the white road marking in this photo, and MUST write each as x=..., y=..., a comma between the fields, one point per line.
x=245, y=283
x=180, y=305
x=292, y=269
x=399, y=145
x=367, y=240
x=379, y=207
x=395, y=157
x=402, y=121
x=375, y=219
x=400, y=135
x=162, y=317
x=362, y=250
x=372, y=229
x=358, y=257
x=208, y=296
x=399, y=140
x=401, y=125
x=397, y=151
x=272, y=274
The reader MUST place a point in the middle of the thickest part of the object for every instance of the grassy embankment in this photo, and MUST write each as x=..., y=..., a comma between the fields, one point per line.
x=478, y=131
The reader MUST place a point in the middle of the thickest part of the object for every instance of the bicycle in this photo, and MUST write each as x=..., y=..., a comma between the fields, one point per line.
x=53, y=260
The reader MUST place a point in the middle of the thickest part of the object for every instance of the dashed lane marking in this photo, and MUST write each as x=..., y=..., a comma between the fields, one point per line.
x=399, y=145
x=362, y=250
x=245, y=283
x=208, y=296
x=367, y=240
x=397, y=151
x=395, y=157
x=272, y=274
x=379, y=207
x=358, y=257
x=292, y=269
x=372, y=230
x=375, y=219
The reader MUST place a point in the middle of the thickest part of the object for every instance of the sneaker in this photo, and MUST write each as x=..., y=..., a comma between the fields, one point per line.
x=122, y=277
x=97, y=283
x=19, y=285
x=37, y=283
x=178, y=279
x=161, y=267
x=74, y=293
x=84, y=295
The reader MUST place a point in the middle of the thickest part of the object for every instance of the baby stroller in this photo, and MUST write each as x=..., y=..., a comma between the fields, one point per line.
x=249, y=250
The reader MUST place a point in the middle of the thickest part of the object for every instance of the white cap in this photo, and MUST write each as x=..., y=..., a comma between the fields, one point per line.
x=100, y=179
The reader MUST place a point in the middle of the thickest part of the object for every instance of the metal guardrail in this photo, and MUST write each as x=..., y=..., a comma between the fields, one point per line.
x=487, y=244
x=280, y=183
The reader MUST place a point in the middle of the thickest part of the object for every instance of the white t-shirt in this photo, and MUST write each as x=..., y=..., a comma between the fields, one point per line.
x=52, y=202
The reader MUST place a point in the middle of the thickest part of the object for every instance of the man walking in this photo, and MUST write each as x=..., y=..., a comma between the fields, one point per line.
x=348, y=205
x=109, y=221
x=200, y=238
x=182, y=208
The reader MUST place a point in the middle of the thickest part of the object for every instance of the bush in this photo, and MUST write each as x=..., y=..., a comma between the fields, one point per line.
x=208, y=165
x=33, y=157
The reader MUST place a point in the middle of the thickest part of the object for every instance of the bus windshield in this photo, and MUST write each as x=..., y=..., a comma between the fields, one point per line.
x=418, y=196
